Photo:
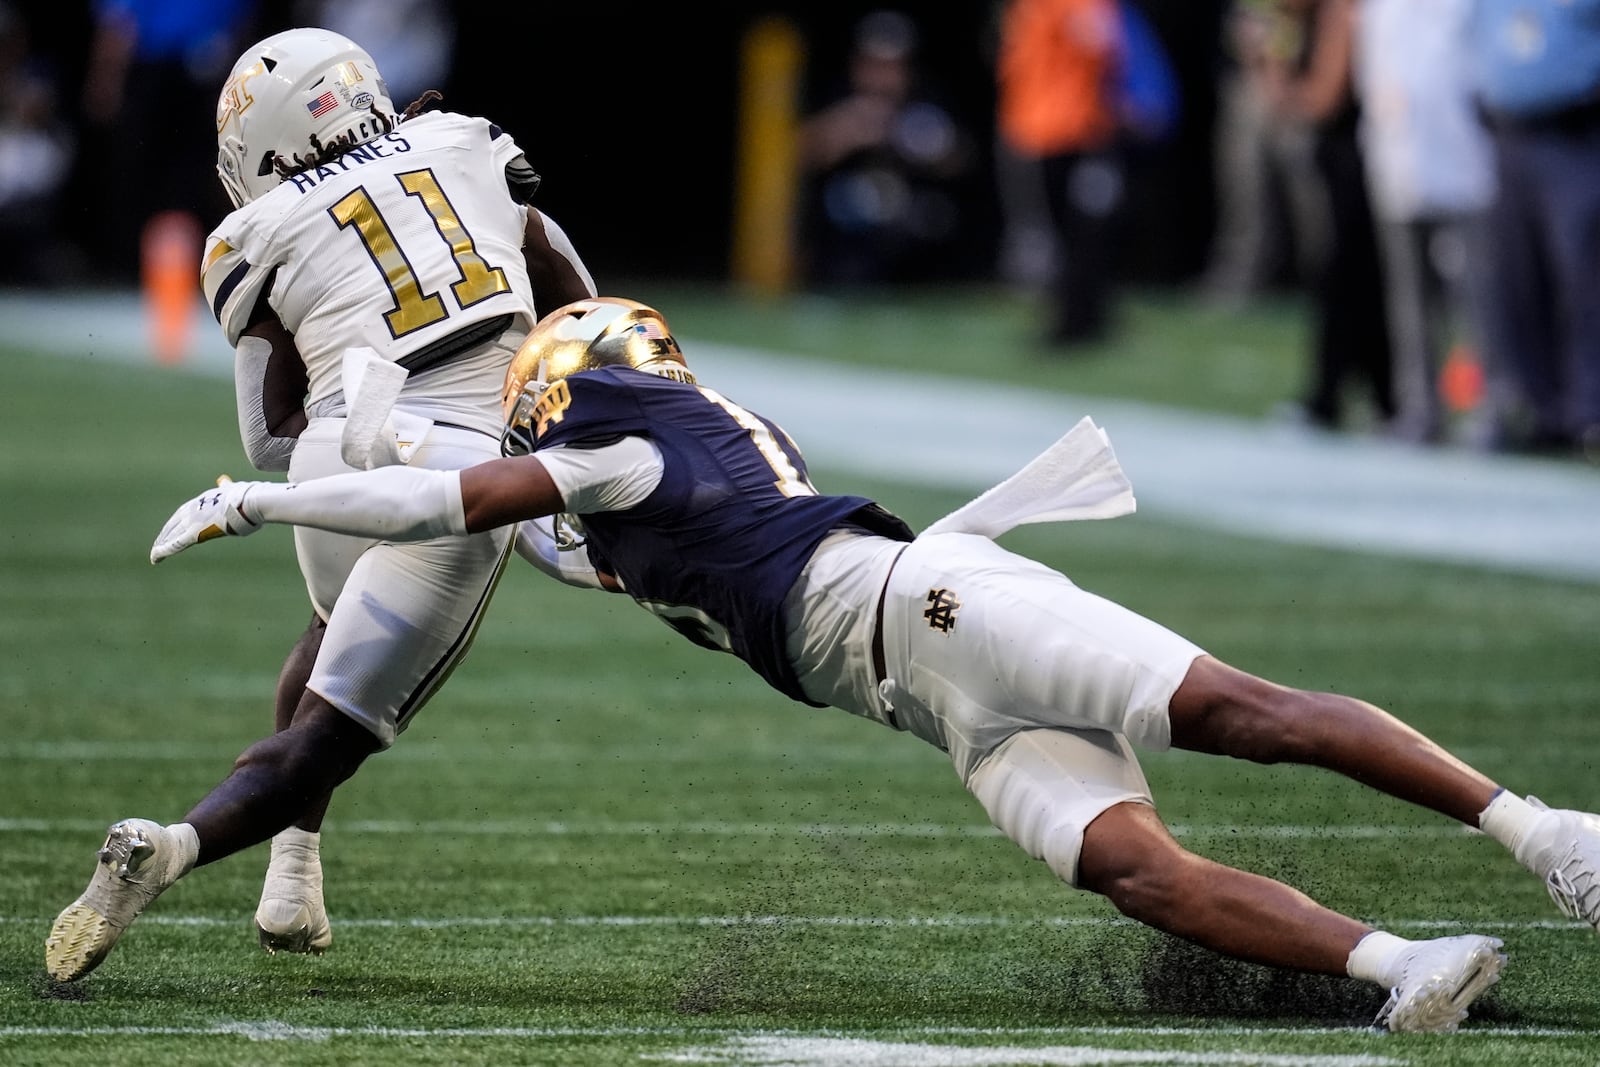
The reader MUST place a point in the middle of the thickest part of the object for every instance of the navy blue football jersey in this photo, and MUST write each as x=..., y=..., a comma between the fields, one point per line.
x=715, y=548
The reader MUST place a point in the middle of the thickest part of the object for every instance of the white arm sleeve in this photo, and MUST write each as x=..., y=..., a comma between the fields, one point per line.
x=266, y=452
x=389, y=503
x=613, y=477
x=536, y=543
x=561, y=244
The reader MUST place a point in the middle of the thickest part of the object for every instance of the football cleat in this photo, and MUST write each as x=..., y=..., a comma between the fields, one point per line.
x=1563, y=848
x=1439, y=979
x=138, y=860
x=291, y=916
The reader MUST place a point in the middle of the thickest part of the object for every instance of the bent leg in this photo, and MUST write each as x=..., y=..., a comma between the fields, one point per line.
x=278, y=778
x=1129, y=857
x=1221, y=710
x=291, y=688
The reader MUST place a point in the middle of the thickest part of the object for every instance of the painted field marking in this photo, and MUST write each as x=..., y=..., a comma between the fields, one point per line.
x=903, y=922
x=274, y=1030
x=767, y=1050
x=715, y=828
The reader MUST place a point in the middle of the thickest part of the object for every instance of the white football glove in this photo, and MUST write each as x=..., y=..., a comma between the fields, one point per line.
x=214, y=513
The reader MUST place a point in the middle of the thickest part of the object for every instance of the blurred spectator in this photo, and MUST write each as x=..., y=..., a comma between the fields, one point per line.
x=884, y=164
x=412, y=41
x=1428, y=168
x=1272, y=225
x=1539, y=68
x=149, y=105
x=1351, y=328
x=35, y=158
x=1058, y=77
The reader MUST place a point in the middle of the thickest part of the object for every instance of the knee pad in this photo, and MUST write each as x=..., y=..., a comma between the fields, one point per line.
x=1043, y=787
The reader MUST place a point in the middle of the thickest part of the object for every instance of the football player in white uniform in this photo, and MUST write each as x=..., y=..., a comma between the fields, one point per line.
x=376, y=277
x=702, y=511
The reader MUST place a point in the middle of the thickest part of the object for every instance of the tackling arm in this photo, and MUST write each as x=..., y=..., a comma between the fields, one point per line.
x=390, y=503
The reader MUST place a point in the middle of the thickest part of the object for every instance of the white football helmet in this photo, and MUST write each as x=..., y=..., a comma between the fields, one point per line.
x=289, y=96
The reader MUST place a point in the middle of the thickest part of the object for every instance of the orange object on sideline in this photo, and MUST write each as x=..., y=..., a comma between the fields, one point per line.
x=170, y=272
x=1056, y=73
x=1461, y=379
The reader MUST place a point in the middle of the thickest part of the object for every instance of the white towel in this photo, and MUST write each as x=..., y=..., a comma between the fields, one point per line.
x=1078, y=477
x=374, y=434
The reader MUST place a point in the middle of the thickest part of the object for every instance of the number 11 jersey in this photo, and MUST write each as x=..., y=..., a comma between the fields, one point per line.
x=407, y=245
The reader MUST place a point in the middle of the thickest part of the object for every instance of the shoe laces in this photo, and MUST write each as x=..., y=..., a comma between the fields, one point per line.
x=129, y=850
x=1573, y=881
x=1574, y=887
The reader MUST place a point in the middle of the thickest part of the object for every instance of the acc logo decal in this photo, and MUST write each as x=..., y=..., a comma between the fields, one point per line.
x=551, y=407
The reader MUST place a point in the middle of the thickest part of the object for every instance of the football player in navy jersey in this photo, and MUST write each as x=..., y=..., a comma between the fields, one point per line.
x=702, y=512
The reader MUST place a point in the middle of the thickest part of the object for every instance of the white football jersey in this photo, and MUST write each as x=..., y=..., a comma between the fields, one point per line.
x=398, y=245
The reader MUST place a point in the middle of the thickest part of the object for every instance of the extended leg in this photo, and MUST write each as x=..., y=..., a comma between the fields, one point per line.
x=1222, y=710
x=272, y=783
x=1077, y=800
x=1129, y=857
x=278, y=778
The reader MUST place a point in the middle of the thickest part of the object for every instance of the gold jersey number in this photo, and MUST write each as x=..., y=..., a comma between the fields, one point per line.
x=413, y=309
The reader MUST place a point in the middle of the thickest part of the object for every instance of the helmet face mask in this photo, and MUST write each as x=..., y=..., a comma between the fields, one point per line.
x=604, y=331
x=287, y=99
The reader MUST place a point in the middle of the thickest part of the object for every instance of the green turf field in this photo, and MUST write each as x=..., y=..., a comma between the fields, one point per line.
x=1168, y=348
x=601, y=845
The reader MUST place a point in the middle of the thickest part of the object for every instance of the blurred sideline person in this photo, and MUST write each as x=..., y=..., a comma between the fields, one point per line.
x=376, y=278
x=1351, y=338
x=151, y=69
x=1430, y=179
x=884, y=165
x=702, y=511
x=1057, y=114
x=1538, y=65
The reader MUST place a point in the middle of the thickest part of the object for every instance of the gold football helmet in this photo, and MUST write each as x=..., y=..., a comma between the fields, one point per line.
x=602, y=331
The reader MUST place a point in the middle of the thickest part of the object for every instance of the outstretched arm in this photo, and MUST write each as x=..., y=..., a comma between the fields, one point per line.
x=390, y=503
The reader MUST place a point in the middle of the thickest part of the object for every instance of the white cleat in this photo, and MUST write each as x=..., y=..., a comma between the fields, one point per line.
x=291, y=916
x=1439, y=979
x=1563, y=848
x=138, y=860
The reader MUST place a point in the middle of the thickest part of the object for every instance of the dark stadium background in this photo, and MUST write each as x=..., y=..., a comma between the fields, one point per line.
x=630, y=111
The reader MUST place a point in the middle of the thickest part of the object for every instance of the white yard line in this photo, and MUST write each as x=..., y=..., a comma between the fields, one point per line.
x=843, y=922
x=715, y=828
x=270, y=1029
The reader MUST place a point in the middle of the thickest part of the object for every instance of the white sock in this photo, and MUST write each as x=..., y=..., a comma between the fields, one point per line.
x=188, y=843
x=295, y=836
x=1507, y=819
x=1376, y=958
x=296, y=853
